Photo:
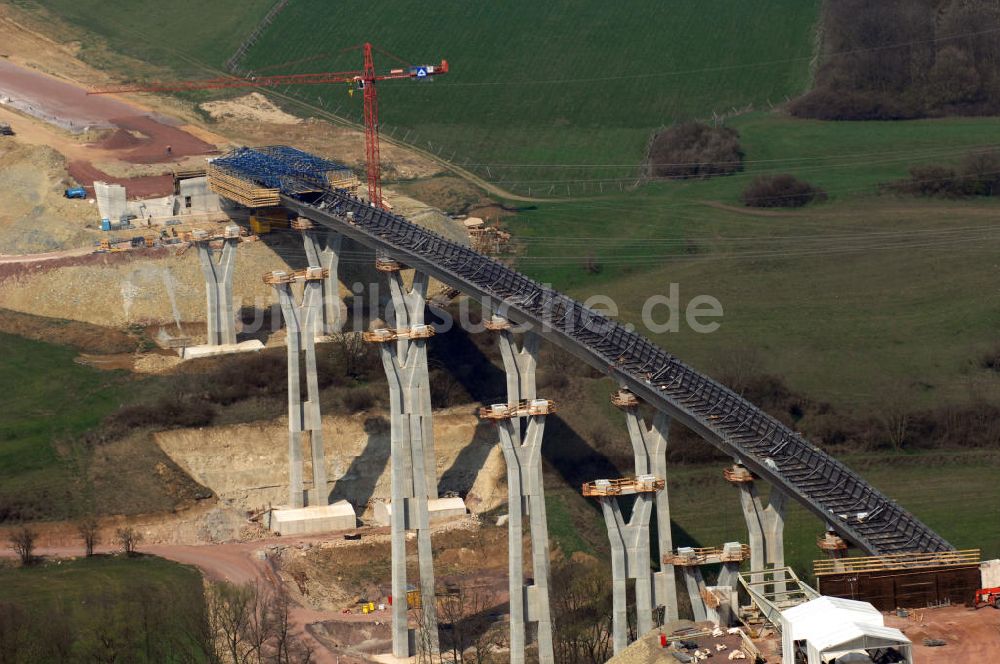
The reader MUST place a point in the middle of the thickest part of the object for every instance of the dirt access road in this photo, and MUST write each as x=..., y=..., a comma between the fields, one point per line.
x=139, y=137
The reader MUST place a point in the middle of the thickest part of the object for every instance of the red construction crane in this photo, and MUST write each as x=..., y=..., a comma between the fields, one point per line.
x=364, y=80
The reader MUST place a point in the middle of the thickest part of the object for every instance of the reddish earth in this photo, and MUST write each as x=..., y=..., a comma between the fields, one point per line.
x=149, y=186
x=970, y=635
x=140, y=137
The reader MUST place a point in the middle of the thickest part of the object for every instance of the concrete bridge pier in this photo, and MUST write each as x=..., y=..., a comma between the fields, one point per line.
x=404, y=357
x=522, y=450
x=765, y=525
x=629, y=560
x=323, y=249
x=304, y=422
x=221, y=318
x=649, y=445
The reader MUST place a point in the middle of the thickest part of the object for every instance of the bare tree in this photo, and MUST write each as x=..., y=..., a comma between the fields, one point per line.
x=128, y=539
x=252, y=625
x=88, y=528
x=472, y=631
x=582, y=612
x=22, y=542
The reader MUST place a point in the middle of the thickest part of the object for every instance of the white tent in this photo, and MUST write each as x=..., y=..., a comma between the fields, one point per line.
x=832, y=629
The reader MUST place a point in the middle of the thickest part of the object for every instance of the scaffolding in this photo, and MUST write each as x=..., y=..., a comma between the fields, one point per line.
x=256, y=177
x=622, y=487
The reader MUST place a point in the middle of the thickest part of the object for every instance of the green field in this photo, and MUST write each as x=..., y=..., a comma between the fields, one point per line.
x=49, y=400
x=102, y=609
x=564, y=83
x=187, y=38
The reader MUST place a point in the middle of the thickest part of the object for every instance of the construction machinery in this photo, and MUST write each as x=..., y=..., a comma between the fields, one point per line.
x=5, y=130
x=363, y=80
x=987, y=597
x=75, y=192
x=264, y=220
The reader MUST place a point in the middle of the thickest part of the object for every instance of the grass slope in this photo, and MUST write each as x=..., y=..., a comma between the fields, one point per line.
x=177, y=35
x=105, y=608
x=48, y=400
x=563, y=82
x=861, y=301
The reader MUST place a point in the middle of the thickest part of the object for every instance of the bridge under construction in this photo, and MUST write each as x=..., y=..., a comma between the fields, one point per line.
x=762, y=447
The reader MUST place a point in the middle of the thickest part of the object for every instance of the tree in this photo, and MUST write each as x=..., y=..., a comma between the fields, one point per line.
x=128, y=539
x=252, y=625
x=88, y=528
x=468, y=613
x=582, y=611
x=22, y=541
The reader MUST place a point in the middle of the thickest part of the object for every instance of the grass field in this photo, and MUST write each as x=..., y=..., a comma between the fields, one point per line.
x=105, y=608
x=534, y=84
x=185, y=37
x=49, y=399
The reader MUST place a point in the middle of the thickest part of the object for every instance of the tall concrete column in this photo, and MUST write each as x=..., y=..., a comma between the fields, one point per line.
x=407, y=311
x=629, y=559
x=522, y=450
x=404, y=357
x=695, y=584
x=765, y=526
x=649, y=445
x=323, y=249
x=304, y=421
x=221, y=319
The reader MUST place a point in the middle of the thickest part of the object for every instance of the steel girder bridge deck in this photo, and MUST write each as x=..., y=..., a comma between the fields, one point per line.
x=826, y=487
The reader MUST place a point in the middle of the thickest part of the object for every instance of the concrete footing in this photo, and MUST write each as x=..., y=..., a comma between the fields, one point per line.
x=314, y=520
x=438, y=510
x=194, y=352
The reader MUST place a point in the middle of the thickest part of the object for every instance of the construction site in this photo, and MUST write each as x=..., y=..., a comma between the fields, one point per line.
x=398, y=523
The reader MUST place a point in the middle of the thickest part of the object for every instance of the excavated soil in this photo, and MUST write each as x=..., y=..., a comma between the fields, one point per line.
x=970, y=635
x=246, y=465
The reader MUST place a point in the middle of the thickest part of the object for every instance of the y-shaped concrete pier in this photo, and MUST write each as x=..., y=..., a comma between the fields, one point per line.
x=765, y=526
x=404, y=357
x=221, y=318
x=649, y=445
x=629, y=550
x=323, y=249
x=304, y=423
x=522, y=450
x=716, y=603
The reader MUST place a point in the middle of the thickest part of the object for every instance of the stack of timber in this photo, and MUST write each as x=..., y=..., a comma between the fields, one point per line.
x=242, y=191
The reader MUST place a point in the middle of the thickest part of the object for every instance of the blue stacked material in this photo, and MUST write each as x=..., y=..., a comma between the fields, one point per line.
x=279, y=167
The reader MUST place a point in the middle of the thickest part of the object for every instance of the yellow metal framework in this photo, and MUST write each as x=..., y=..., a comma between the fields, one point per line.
x=963, y=558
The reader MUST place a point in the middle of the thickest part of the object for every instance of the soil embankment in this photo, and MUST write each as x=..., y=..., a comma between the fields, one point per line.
x=246, y=465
